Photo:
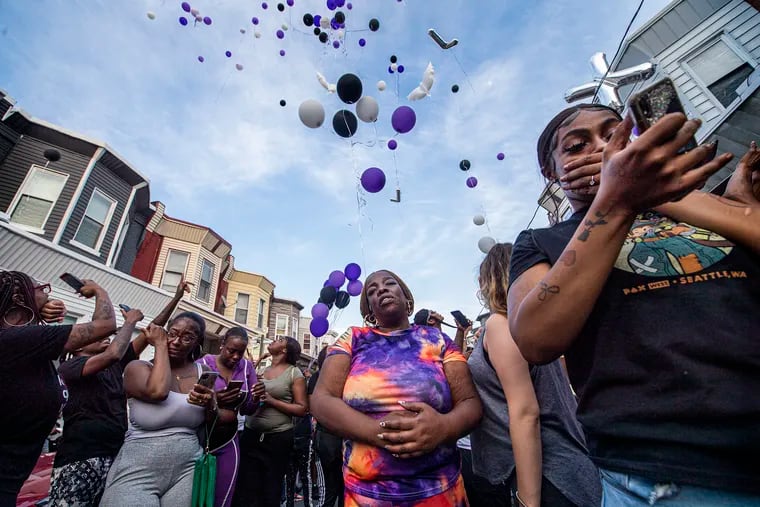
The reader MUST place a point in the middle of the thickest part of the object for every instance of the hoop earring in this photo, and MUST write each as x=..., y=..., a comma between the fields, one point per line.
x=31, y=318
x=409, y=308
x=370, y=319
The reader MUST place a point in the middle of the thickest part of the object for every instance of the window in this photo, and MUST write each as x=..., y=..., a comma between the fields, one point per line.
x=207, y=277
x=260, y=321
x=307, y=341
x=95, y=222
x=241, y=308
x=35, y=199
x=176, y=262
x=721, y=68
x=294, y=326
x=281, y=325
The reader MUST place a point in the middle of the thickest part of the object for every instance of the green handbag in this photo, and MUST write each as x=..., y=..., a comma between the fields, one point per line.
x=204, y=477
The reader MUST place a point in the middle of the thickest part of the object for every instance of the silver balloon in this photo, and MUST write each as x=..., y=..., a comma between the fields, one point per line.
x=367, y=109
x=486, y=243
x=239, y=66
x=381, y=85
x=151, y=15
x=257, y=34
x=324, y=23
x=478, y=220
x=311, y=113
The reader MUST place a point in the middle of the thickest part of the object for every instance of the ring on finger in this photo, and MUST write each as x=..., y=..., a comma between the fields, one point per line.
x=592, y=182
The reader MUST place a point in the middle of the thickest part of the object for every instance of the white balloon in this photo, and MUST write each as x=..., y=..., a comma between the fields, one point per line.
x=239, y=66
x=367, y=109
x=341, y=33
x=324, y=22
x=151, y=15
x=242, y=30
x=423, y=90
x=257, y=34
x=478, y=220
x=486, y=243
x=285, y=27
x=381, y=85
x=194, y=12
x=394, y=67
x=311, y=113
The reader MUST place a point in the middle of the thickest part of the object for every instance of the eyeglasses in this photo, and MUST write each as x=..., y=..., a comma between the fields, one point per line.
x=44, y=287
x=185, y=339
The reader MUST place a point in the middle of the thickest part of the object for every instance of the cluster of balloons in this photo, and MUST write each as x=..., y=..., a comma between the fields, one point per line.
x=336, y=23
x=333, y=294
x=193, y=12
x=394, y=66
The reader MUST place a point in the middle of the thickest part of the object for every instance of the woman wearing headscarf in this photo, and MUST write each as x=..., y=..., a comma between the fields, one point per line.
x=167, y=406
x=655, y=305
x=225, y=445
x=400, y=395
x=267, y=441
x=32, y=391
x=529, y=442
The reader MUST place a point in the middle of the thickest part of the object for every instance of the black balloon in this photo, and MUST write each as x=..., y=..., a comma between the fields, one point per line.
x=340, y=17
x=280, y=7
x=455, y=88
x=283, y=103
x=327, y=294
x=394, y=59
x=345, y=123
x=308, y=19
x=52, y=155
x=323, y=37
x=374, y=24
x=329, y=305
x=464, y=165
x=349, y=88
x=317, y=31
x=342, y=299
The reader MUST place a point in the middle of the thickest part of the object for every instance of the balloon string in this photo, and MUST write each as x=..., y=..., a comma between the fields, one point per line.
x=360, y=202
x=461, y=67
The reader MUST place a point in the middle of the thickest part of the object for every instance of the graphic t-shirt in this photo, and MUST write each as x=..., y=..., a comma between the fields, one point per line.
x=95, y=416
x=407, y=366
x=32, y=395
x=667, y=365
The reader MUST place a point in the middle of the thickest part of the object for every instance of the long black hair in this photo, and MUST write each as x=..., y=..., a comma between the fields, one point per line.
x=17, y=290
x=237, y=332
x=200, y=324
x=292, y=350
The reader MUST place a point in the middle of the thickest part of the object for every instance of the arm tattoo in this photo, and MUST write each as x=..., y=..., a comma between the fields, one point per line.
x=546, y=290
x=81, y=335
x=103, y=309
x=590, y=224
x=568, y=258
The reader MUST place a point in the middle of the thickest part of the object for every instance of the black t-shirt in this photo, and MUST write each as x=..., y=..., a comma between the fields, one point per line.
x=667, y=366
x=32, y=395
x=95, y=416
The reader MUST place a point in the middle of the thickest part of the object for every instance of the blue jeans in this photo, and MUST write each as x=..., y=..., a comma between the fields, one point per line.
x=622, y=490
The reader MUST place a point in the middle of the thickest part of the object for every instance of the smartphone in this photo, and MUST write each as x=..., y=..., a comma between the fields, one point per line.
x=72, y=281
x=234, y=384
x=124, y=307
x=654, y=102
x=461, y=319
x=208, y=378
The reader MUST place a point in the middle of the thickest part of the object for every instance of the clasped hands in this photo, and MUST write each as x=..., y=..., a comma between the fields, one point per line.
x=414, y=431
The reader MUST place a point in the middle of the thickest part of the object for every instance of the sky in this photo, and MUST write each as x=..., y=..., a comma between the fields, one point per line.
x=220, y=150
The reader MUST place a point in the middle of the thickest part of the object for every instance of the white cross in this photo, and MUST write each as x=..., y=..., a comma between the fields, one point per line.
x=608, y=89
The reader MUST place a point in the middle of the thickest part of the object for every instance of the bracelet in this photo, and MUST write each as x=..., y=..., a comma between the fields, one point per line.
x=519, y=500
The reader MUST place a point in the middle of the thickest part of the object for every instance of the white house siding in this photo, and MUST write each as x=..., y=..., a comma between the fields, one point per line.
x=204, y=254
x=183, y=246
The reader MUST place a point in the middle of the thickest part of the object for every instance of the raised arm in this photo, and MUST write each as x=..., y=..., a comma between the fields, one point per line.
x=524, y=414
x=117, y=348
x=332, y=412
x=103, y=319
x=139, y=343
x=548, y=305
x=146, y=382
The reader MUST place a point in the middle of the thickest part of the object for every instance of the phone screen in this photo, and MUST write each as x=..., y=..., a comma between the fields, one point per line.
x=234, y=384
x=460, y=318
x=208, y=378
x=72, y=281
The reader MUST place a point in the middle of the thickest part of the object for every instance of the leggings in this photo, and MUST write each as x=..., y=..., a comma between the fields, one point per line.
x=263, y=462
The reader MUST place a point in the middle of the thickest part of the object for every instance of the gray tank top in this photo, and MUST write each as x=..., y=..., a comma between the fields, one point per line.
x=565, y=459
x=269, y=419
x=169, y=417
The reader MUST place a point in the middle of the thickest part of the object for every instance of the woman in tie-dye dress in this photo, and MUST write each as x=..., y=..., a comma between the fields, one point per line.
x=400, y=396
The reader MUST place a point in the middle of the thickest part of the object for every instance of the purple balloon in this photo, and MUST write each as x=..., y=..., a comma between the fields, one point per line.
x=354, y=287
x=280, y=34
x=291, y=3
x=373, y=180
x=255, y=20
x=336, y=44
x=183, y=20
x=352, y=271
x=334, y=24
x=337, y=279
x=635, y=131
x=392, y=144
x=349, y=6
x=201, y=59
x=500, y=156
x=390, y=70
x=282, y=52
x=400, y=69
x=331, y=4
x=472, y=182
x=264, y=5
x=319, y=327
x=317, y=20
x=362, y=42
x=320, y=311
x=185, y=6
x=403, y=119
x=340, y=3
x=228, y=54
x=207, y=20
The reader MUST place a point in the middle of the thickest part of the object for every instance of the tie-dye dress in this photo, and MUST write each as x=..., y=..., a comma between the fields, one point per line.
x=387, y=368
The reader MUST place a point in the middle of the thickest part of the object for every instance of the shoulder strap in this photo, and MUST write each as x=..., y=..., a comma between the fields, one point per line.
x=199, y=368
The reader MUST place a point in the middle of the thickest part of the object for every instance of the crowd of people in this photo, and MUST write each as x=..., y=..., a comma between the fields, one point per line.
x=619, y=365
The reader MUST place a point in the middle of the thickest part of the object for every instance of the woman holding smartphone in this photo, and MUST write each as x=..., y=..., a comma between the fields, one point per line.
x=234, y=396
x=655, y=305
x=32, y=390
x=167, y=406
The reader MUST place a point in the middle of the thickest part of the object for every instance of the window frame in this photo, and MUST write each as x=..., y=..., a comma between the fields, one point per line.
x=237, y=308
x=276, y=326
x=204, y=262
x=166, y=264
x=106, y=224
x=20, y=193
x=734, y=46
x=261, y=318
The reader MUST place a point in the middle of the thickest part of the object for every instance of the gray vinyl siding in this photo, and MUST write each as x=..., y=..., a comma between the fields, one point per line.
x=8, y=138
x=18, y=163
x=136, y=224
x=114, y=187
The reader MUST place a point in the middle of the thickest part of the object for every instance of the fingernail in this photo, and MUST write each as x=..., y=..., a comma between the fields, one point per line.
x=382, y=424
x=395, y=455
x=401, y=402
x=380, y=436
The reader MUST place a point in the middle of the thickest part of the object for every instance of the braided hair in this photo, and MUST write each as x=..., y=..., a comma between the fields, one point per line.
x=17, y=290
